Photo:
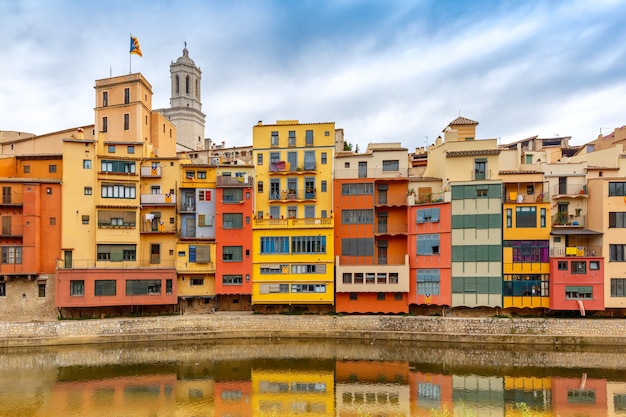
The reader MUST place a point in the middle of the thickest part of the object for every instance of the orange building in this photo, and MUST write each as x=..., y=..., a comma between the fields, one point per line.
x=370, y=204
x=234, y=210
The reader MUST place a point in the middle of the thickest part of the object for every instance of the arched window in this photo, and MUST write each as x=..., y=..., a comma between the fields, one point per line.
x=197, y=89
x=177, y=82
x=187, y=84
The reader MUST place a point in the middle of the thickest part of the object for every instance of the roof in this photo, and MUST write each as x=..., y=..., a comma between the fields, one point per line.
x=514, y=172
x=462, y=121
x=574, y=232
x=478, y=152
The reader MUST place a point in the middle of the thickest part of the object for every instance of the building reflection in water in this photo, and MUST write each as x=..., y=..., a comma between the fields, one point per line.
x=305, y=387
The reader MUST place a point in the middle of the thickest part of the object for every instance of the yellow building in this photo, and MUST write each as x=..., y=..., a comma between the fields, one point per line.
x=293, y=250
x=118, y=235
x=195, y=249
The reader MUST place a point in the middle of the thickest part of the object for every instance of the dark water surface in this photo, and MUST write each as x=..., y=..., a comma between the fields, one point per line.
x=276, y=377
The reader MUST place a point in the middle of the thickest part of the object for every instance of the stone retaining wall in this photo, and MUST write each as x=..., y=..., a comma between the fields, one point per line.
x=440, y=329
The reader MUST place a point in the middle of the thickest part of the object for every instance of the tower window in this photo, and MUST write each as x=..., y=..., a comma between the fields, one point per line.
x=126, y=95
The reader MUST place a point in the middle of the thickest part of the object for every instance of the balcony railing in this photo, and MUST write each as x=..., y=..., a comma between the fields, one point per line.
x=309, y=223
x=96, y=264
x=12, y=200
x=292, y=195
x=391, y=229
x=372, y=260
x=158, y=199
x=569, y=190
x=558, y=252
x=568, y=220
x=229, y=181
x=391, y=200
x=151, y=172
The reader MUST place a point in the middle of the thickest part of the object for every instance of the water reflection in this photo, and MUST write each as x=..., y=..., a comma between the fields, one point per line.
x=311, y=378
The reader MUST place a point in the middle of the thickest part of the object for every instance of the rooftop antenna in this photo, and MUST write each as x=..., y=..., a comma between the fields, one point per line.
x=426, y=141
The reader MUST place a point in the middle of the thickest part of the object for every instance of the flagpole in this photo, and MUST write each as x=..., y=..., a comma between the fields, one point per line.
x=130, y=57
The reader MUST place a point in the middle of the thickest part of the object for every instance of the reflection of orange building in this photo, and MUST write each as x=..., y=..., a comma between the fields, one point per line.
x=233, y=398
x=579, y=396
x=378, y=387
x=147, y=395
x=430, y=392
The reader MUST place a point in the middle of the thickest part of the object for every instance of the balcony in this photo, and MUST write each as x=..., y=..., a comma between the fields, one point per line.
x=12, y=231
x=581, y=251
x=150, y=263
x=295, y=223
x=12, y=200
x=372, y=260
x=391, y=229
x=151, y=172
x=391, y=200
x=569, y=190
x=157, y=227
x=229, y=181
x=284, y=168
x=568, y=220
x=292, y=195
x=189, y=206
x=364, y=274
x=158, y=199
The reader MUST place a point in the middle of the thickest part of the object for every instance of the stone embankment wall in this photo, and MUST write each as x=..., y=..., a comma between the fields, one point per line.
x=482, y=330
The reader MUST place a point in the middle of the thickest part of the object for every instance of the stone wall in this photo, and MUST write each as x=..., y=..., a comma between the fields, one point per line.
x=214, y=326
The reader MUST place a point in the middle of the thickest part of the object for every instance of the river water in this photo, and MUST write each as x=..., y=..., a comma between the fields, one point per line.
x=274, y=377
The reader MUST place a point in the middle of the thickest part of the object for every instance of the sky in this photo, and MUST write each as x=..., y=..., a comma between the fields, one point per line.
x=383, y=70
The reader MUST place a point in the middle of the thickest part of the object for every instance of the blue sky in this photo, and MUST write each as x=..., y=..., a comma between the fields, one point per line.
x=385, y=70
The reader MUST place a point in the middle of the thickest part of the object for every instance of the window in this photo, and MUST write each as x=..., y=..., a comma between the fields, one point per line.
x=274, y=288
x=232, y=253
x=362, y=173
x=430, y=215
x=509, y=218
x=617, y=189
x=308, y=288
x=105, y=98
x=354, y=296
x=594, y=265
x=53, y=221
x=11, y=254
x=323, y=186
x=3, y=289
x=308, y=269
x=308, y=244
x=274, y=138
x=190, y=175
x=347, y=278
x=309, y=160
x=309, y=138
x=274, y=244
x=41, y=290
x=618, y=287
x=143, y=286
x=428, y=281
x=391, y=165
x=87, y=191
x=579, y=267
x=358, y=278
x=116, y=253
x=480, y=169
x=107, y=218
x=126, y=121
x=232, y=221
x=77, y=288
x=616, y=253
x=117, y=191
x=105, y=287
x=85, y=219
x=525, y=216
x=126, y=95
x=26, y=169
x=324, y=158
x=200, y=254
x=617, y=219
x=204, y=195
x=578, y=293
x=292, y=138
x=105, y=124
x=259, y=159
x=271, y=269
x=362, y=188
x=562, y=265
x=201, y=175
x=543, y=217
x=232, y=279
x=232, y=195
x=357, y=247
x=118, y=167
x=359, y=216
x=428, y=244
x=380, y=296
x=196, y=282
x=87, y=163
x=130, y=149
x=52, y=168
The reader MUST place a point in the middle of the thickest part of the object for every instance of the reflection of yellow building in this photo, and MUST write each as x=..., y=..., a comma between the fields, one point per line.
x=534, y=393
x=194, y=397
x=286, y=393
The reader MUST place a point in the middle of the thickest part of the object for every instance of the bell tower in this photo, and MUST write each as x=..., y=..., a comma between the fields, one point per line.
x=185, y=103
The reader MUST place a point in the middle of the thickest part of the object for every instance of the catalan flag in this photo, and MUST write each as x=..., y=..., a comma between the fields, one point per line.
x=134, y=46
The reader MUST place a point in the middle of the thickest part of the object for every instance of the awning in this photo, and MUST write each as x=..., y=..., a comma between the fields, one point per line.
x=561, y=232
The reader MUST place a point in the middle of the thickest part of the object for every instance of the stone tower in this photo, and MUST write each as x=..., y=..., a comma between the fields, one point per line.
x=185, y=107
